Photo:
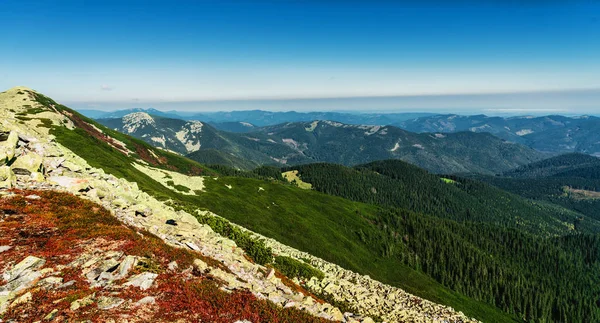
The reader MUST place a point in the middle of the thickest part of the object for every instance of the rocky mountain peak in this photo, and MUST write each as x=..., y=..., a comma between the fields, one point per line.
x=137, y=120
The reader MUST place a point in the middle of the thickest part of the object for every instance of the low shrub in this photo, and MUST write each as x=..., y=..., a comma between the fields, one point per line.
x=254, y=248
x=294, y=268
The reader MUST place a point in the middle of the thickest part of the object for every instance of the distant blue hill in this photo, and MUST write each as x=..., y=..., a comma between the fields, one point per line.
x=261, y=118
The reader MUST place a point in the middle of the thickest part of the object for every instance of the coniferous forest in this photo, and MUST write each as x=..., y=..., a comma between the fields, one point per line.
x=533, y=259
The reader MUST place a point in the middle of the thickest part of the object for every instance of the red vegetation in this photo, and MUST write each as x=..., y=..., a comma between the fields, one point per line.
x=151, y=159
x=156, y=160
x=59, y=227
x=92, y=131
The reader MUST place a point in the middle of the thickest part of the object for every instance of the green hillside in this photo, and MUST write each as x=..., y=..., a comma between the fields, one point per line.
x=570, y=180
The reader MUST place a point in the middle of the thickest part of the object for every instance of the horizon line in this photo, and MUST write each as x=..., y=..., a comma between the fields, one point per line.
x=365, y=97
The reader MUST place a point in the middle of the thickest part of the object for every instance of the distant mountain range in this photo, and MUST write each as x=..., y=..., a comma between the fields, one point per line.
x=549, y=134
x=244, y=121
x=553, y=134
x=326, y=141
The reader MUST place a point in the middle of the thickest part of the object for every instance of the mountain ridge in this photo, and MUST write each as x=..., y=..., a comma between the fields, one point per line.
x=552, y=133
x=330, y=141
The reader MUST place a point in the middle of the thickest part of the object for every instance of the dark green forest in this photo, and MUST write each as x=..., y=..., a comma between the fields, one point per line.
x=394, y=183
x=552, y=180
x=537, y=279
x=473, y=242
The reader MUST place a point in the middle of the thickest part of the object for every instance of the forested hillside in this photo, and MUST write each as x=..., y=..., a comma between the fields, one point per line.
x=464, y=152
x=571, y=180
x=480, y=252
x=395, y=183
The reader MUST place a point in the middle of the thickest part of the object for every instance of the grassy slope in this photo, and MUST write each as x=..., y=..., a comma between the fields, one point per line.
x=322, y=225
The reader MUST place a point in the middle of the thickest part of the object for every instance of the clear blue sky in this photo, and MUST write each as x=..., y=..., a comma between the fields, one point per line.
x=120, y=53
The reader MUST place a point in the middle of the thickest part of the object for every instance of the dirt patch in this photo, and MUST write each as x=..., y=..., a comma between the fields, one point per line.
x=294, y=178
x=581, y=194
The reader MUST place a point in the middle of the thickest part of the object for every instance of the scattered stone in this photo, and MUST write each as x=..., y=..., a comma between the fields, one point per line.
x=148, y=300
x=27, y=164
x=50, y=282
x=102, y=274
x=7, y=177
x=28, y=264
x=67, y=284
x=200, y=265
x=172, y=266
x=72, y=166
x=23, y=299
x=120, y=203
x=106, y=303
x=83, y=302
x=37, y=177
x=71, y=184
x=4, y=248
x=125, y=266
x=143, y=280
x=51, y=315
x=192, y=246
x=171, y=222
x=10, y=145
x=141, y=210
x=270, y=273
x=33, y=197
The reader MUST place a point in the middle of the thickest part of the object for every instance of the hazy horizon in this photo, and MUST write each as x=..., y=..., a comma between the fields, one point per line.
x=468, y=104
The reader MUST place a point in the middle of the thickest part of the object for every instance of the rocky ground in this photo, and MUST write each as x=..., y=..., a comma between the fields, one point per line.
x=366, y=295
x=64, y=259
x=149, y=259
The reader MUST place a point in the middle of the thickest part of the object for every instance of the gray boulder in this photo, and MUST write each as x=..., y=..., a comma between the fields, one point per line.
x=143, y=280
x=8, y=148
x=7, y=177
x=27, y=164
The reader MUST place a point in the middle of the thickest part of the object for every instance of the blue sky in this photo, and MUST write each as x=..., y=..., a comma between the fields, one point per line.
x=424, y=55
